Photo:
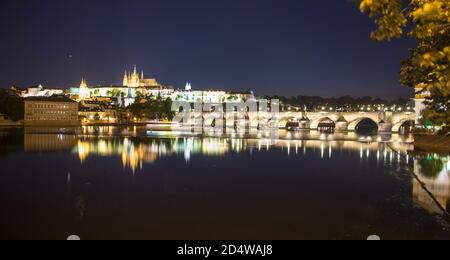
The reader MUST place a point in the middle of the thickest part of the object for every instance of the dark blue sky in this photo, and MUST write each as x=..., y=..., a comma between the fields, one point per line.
x=286, y=47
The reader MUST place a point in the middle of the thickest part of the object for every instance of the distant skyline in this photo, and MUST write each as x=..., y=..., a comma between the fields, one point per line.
x=284, y=47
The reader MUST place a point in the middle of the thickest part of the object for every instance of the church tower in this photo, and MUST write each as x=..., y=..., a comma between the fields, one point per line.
x=84, y=92
x=125, y=79
x=134, y=78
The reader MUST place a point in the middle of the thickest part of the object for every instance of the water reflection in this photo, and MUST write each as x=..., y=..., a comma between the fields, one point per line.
x=433, y=176
x=136, y=146
x=135, y=152
x=433, y=171
x=48, y=142
x=294, y=180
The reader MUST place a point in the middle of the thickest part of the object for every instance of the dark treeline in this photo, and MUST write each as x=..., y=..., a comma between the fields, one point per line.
x=344, y=102
x=11, y=105
x=152, y=108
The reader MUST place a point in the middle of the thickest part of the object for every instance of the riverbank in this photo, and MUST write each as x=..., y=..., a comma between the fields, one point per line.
x=432, y=143
x=10, y=123
x=151, y=125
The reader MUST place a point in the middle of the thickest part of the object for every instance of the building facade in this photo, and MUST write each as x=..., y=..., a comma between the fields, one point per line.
x=51, y=111
x=420, y=98
x=37, y=91
x=97, y=112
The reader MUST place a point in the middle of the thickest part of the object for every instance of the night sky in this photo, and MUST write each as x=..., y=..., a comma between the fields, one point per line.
x=285, y=47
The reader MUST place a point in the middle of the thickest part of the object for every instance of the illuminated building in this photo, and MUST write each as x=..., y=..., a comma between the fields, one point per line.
x=97, y=111
x=210, y=96
x=85, y=92
x=100, y=116
x=135, y=84
x=55, y=110
x=134, y=80
x=192, y=96
x=419, y=100
x=37, y=91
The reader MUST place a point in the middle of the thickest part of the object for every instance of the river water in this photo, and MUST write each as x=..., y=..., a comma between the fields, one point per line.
x=133, y=183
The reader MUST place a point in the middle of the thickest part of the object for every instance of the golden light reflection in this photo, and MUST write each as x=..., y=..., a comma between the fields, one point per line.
x=433, y=175
x=136, y=152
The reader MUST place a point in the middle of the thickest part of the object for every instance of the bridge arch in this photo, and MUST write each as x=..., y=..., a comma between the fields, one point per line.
x=356, y=124
x=316, y=121
x=404, y=123
x=344, y=121
x=326, y=124
x=289, y=121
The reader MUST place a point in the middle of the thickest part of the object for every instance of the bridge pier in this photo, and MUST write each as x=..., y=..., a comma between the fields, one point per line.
x=384, y=127
x=341, y=126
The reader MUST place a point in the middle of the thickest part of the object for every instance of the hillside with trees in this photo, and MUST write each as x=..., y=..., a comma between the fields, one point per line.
x=11, y=105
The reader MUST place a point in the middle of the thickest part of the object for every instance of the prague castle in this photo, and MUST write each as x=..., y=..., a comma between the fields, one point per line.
x=135, y=84
x=134, y=80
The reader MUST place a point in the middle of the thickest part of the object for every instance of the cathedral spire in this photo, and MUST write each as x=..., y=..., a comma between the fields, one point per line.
x=83, y=83
x=188, y=86
x=84, y=92
x=125, y=78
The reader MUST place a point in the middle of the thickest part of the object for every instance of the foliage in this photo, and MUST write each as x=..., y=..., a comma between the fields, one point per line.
x=11, y=105
x=431, y=117
x=115, y=93
x=153, y=108
x=233, y=98
x=122, y=117
x=431, y=167
x=428, y=21
x=179, y=97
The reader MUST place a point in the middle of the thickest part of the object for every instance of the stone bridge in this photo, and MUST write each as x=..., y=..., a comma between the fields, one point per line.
x=340, y=121
x=349, y=121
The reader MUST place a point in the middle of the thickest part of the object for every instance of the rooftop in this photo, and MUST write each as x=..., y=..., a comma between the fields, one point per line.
x=51, y=99
x=41, y=87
